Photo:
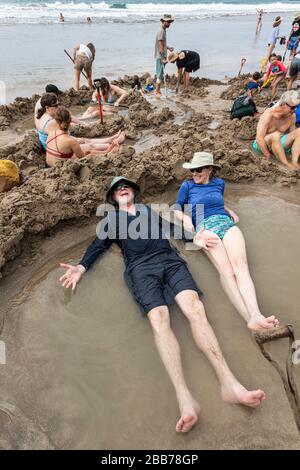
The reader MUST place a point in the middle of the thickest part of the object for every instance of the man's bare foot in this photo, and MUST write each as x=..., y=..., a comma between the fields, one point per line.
x=189, y=416
x=235, y=393
x=259, y=323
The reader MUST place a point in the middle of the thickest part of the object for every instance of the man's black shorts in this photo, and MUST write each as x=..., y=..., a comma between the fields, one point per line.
x=193, y=66
x=158, y=280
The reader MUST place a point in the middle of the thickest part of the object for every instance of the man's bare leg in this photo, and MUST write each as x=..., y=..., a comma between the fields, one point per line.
x=232, y=390
x=293, y=142
x=169, y=352
x=277, y=149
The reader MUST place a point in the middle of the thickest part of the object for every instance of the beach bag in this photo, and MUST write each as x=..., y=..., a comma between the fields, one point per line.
x=243, y=106
x=9, y=175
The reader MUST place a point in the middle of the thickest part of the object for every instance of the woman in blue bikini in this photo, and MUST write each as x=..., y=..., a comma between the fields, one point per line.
x=205, y=196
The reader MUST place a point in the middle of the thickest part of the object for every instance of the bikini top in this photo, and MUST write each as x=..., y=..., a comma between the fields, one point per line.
x=57, y=153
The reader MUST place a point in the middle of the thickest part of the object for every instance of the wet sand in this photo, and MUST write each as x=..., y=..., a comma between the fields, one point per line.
x=82, y=370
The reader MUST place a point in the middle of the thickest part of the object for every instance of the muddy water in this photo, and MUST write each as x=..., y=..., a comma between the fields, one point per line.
x=83, y=372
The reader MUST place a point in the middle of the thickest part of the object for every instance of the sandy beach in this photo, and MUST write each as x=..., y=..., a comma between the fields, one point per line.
x=81, y=370
x=61, y=341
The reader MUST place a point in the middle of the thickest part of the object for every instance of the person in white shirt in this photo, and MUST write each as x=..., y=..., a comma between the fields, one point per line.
x=83, y=57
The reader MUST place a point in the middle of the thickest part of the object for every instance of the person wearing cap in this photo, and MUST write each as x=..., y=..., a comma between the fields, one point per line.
x=156, y=276
x=293, y=40
x=204, y=193
x=187, y=62
x=274, y=37
x=277, y=133
x=83, y=58
x=160, y=51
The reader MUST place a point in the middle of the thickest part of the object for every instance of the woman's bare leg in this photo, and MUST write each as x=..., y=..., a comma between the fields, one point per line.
x=234, y=244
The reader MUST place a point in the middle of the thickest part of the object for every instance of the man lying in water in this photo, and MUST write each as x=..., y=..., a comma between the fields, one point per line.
x=156, y=275
x=277, y=132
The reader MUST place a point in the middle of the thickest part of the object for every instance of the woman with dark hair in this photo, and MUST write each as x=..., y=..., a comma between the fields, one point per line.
x=45, y=117
x=45, y=122
x=209, y=215
x=111, y=95
x=61, y=146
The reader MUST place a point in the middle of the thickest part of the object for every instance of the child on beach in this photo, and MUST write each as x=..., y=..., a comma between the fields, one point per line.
x=278, y=70
x=111, y=97
x=149, y=85
x=253, y=83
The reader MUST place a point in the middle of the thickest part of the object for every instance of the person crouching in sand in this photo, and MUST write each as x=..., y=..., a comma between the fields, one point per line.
x=187, y=62
x=111, y=97
x=157, y=276
x=61, y=146
x=277, y=133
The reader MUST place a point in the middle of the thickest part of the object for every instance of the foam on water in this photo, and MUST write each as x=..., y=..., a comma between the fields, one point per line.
x=74, y=12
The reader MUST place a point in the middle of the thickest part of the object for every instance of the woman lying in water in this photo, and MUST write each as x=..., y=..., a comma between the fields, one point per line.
x=111, y=98
x=60, y=146
x=46, y=123
x=227, y=252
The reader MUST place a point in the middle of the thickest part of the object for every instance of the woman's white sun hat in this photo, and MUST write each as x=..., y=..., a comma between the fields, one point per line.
x=199, y=160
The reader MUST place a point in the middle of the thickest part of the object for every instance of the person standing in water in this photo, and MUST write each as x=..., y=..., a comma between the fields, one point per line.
x=61, y=18
x=259, y=20
x=156, y=276
x=83, y=57
x=160, y=52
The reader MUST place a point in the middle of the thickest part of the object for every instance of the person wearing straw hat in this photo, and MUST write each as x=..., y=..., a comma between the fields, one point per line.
x=274, y=37
x=156, y=276
x=160, y=51
x=204, y=193
x=187, y=62
x=293, y=40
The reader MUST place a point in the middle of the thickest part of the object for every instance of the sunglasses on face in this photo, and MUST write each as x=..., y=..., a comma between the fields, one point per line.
x=122, y=186
x=291, y=107
x=199, y=170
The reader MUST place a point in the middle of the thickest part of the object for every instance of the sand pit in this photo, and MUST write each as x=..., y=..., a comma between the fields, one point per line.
x=51, y=217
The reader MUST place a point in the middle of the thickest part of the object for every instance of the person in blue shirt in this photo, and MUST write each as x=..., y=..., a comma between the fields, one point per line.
x=205, y=196
x=156, y=275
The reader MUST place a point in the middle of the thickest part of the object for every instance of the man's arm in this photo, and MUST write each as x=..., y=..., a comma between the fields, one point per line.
x=95, y=250
x=261, y=132
x=161, y=45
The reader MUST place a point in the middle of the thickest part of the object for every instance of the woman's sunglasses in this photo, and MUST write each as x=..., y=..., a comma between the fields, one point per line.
x=199, y=170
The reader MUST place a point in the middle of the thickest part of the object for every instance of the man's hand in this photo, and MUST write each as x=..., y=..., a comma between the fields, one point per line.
x=206, y=239
x=171, y=49
x=165, y=60
x=72, y=275
x=117, y=104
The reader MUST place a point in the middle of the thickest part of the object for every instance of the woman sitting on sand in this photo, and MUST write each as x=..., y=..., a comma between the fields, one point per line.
x=61, y=146
x=205, y=194
x=111, y=97
x=46, y=123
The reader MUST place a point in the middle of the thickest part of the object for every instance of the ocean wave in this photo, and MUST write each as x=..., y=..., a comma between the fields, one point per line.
x=31, y=12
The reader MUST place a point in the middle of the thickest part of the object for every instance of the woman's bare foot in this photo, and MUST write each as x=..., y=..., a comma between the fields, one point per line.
x=189, y=416
x=115, y=136
x=113, y=148
x=233, y=392
x=259, y=323
x=120, y=139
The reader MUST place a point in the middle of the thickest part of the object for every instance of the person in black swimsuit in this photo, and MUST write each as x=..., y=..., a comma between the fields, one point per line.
x=156, y=276
x=187, y=62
